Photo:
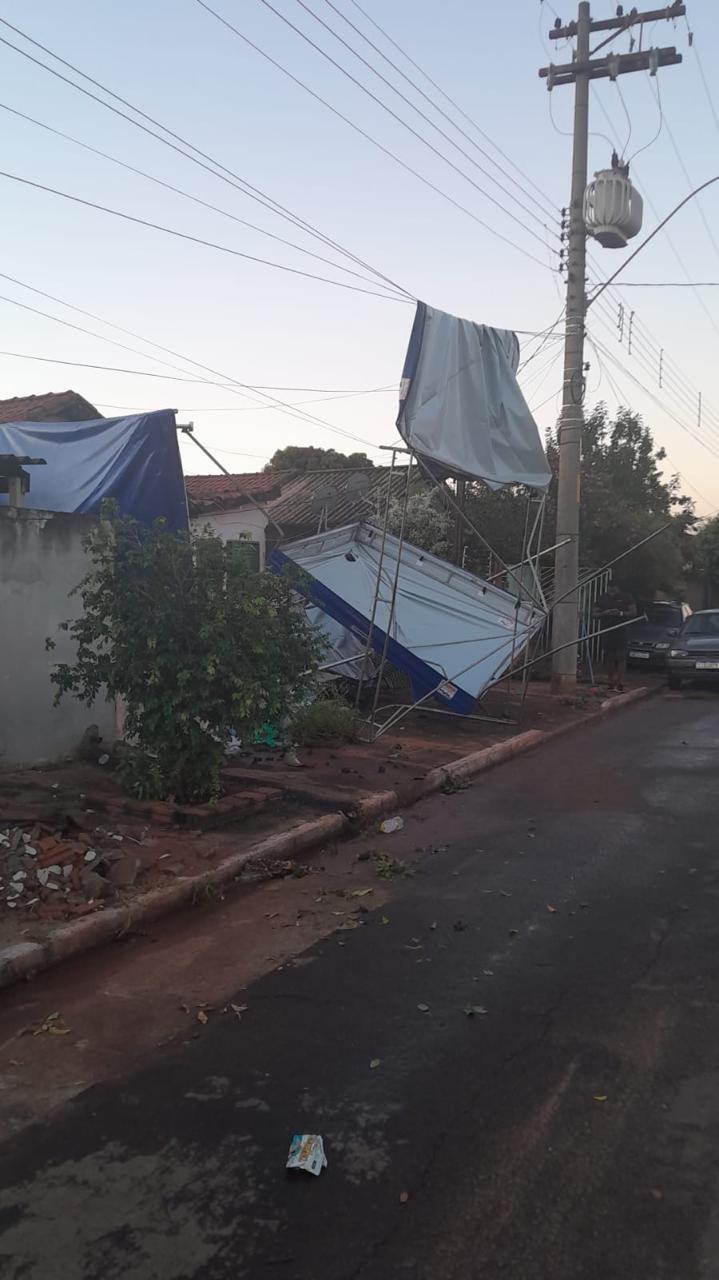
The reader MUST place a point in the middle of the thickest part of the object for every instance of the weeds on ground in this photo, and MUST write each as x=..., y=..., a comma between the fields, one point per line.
x=328, y=722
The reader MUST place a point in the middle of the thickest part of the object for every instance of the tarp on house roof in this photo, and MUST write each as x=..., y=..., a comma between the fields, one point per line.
x=135, y=460
x=461, y=408
x=452, y=633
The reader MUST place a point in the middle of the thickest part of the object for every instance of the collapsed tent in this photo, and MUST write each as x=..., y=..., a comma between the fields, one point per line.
x=461, y=408
x=452, y=633
x=135, y=460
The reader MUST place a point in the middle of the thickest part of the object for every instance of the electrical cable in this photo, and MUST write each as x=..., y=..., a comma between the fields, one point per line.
x=524, y=176
x=667, y=235
x=682, y=425
x=199, y=157
x=41, y=124
x=623, y=150
x=660, y=108
x=440, y=110
x=208, y=244
x=705, y=83
x=428, y=120
x=363, y=133
x=680, y=391
x=690, y=183
x=242, y=389
x=170, y=377
x=708, y=437
x=620, y=399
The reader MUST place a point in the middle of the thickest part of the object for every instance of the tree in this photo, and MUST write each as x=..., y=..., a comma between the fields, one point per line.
x=624, y=498
x=427, y=522
x=705, y=556
x=193, y=640
x=308, y=458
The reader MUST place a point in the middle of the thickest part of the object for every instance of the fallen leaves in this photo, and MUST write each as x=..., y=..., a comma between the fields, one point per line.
x=374, y=1064
x=599, y=1097
x=403, y=1197
x=551, y=910
x=202, y=1017
x=384, y=920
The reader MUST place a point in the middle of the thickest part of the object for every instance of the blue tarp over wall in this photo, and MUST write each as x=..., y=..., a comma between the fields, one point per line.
x=135, y=460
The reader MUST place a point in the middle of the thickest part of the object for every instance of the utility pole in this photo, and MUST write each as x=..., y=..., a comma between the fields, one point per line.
x=579, y=72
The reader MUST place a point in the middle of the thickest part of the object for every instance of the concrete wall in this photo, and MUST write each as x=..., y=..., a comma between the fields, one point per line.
x=246, y=522
x=41, y=560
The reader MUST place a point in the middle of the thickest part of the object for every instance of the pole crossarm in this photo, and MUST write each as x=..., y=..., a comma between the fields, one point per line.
x=608, y=68
x=623, y=22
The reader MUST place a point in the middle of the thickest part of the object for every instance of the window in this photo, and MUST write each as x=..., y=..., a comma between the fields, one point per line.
x=702, y=624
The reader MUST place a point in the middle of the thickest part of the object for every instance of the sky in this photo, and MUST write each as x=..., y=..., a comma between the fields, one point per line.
x=447, y=233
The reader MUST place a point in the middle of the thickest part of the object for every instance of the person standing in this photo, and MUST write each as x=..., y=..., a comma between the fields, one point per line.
x=613, y=608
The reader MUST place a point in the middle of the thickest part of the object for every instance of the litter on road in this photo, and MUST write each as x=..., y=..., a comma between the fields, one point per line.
x=307, y=1153
x=391, y=825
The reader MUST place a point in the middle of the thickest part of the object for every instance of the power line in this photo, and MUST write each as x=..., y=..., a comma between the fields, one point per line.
x=691, y=184
x=705, y=83
x=208, y=244
x=242, y=389
x=666, y=234
x=213, y=166
x=380, y=102
x=525, y=177
x=620, y=399
x=428, y=120
x=363, y=133
x=170, y=377
x=168, y=186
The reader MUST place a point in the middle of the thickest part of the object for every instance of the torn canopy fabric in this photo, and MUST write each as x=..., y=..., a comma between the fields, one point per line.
x=461, y=409
x=452, y=633
x=135, y=460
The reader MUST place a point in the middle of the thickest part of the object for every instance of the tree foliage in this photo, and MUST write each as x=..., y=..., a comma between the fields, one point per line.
x=705, y=553
x=624, y=497
x=193, y=641
x=427, y=523
x=308, y=458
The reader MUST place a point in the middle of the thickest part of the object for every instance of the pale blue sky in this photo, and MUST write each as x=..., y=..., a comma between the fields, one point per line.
x=261, y=326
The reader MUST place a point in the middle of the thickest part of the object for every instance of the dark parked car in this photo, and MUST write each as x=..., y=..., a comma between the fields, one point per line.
x=694, y=654
x=650, y=640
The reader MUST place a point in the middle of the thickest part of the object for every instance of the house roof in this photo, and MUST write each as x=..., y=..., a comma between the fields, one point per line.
x=212, y=493
x=297, y=510
x=54, y=406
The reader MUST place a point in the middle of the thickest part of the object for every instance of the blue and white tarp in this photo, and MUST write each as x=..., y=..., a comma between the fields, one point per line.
x=452, y=633
x=461, y=408
x=135, y=460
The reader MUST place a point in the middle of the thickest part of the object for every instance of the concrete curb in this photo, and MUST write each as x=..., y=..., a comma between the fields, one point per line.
x=24, y=959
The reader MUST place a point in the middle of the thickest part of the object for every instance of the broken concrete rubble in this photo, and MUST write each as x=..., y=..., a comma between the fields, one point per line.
x=40, y=864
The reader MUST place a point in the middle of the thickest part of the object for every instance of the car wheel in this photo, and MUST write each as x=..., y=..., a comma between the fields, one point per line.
x=674, y=682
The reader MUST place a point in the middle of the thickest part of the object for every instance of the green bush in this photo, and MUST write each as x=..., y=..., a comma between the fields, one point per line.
x=193, y=641
x=328, y=722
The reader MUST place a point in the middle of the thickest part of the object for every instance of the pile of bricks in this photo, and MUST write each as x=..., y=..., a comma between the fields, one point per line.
x=68, y=871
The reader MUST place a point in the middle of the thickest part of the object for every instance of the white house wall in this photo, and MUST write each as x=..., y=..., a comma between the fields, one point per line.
x=246, y=522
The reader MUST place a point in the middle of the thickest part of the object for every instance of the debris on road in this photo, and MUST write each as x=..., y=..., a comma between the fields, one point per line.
x=472, y=1009
x=388, y=868
x=403, y=1197
x=552, y=910
x=390, y=825
x=423, y=1008
x=52, y=1026
x=374, y=1063
x=307, y=1153
x=599, y=1097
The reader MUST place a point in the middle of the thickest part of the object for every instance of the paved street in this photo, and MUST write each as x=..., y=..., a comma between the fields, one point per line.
x=570, y=1131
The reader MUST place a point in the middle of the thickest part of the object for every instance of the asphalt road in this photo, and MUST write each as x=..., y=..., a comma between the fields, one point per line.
x=570, y=1132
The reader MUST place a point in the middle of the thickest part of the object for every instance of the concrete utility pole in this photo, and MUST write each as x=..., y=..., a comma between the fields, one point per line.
x=580, y=71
